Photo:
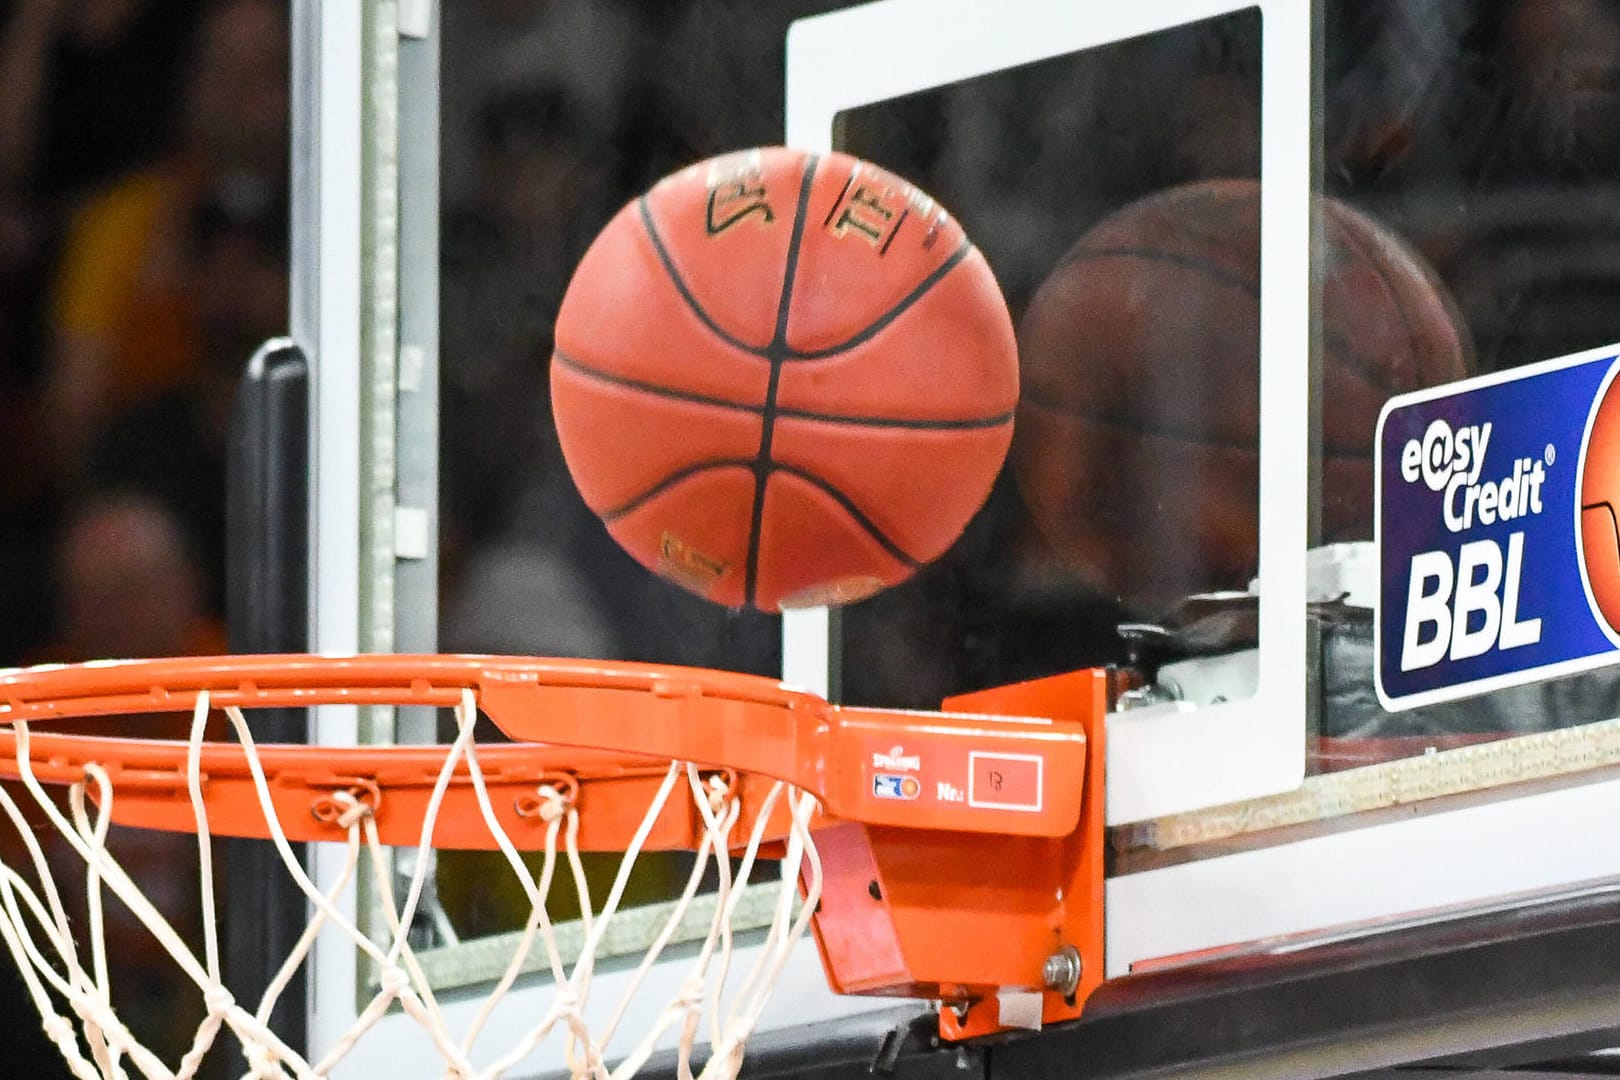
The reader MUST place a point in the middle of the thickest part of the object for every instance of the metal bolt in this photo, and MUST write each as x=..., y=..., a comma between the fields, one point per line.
x=1061, y=972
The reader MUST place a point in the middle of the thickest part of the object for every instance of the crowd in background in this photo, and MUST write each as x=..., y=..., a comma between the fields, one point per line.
x=143, y=209
x=143, y=252
x=144, y=256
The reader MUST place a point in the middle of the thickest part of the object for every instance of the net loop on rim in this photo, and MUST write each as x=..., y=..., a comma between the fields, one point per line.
x=603, y=757
x=347, y=806
x=554, y=797
x=62, y=962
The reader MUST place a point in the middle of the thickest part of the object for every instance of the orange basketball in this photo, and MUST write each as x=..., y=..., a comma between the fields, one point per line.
x=784, y=379
x=1600, y=506
x=1138, y=432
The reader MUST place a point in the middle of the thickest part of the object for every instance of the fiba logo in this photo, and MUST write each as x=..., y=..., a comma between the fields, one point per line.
x=890, y=786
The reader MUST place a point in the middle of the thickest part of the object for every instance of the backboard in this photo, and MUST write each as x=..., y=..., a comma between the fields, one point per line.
x=1230, y=234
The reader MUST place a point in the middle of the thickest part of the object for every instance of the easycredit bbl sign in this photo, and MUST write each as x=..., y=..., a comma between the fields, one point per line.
x=1498, y=540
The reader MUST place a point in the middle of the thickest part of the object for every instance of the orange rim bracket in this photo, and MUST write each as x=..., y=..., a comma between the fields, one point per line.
x=1004, y=926
x=1073, y=958
x=961, y=852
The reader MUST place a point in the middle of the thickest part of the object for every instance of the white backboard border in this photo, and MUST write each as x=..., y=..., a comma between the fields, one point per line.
x=1166, y=759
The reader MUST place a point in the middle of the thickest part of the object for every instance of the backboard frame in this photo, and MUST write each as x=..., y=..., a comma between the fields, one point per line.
x=357, y=257
x=1173, y=757
x=1359, y=885
x=325, y=293
x=1175, y=761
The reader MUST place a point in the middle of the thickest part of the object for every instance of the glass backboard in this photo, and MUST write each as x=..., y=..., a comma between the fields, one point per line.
x=1229, y=234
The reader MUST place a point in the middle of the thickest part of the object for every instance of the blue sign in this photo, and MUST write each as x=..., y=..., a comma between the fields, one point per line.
x=1498, y=541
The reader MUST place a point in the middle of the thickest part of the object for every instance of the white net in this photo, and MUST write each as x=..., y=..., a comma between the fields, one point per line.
x=64, y=960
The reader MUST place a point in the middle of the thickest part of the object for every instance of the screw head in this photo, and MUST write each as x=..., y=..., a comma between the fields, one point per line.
x=1061, y=971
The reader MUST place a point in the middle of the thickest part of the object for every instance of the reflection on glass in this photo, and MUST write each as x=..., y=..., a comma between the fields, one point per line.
x=554, y=116
x=1485, y=136
x=1115, y=193
x=1468, y=155
x=1466, y=195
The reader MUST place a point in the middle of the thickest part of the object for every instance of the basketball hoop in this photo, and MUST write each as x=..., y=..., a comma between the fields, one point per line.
x=888, y=822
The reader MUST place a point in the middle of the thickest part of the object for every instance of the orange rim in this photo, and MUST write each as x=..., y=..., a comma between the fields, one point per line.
x=611, y=729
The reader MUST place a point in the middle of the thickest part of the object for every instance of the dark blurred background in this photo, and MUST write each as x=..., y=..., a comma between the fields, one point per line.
x=143, y=256
x=143, y=251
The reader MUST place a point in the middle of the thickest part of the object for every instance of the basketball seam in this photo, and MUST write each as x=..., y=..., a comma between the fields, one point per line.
x=1395, y=300
x=681, y=287
x=1140, y=427
x=781, y=352
x=669, y=481
x=837, y=494
x=899, y=308
x=855, y=513
x=976, y=423
x=775, y=354
x=1604, y=504
x=1339, y=343
x=579, y=367
x=1614, y=526
x=655, y=390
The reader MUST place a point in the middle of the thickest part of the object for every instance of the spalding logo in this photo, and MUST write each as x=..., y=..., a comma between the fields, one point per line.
x=897, y=760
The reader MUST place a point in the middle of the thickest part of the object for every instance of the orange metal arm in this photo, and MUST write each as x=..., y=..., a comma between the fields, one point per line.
x=968, y=773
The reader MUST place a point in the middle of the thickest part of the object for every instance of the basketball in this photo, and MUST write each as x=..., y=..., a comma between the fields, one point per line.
x=784, y=379
x=1138, y=428
x=1600, y=498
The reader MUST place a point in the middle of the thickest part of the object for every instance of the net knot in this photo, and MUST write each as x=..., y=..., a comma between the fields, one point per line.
x=394, y=980
x=100, y=1015
x=347, y=807
x=729, y=1052
x=594, y=1065
x=719, y=790
x=262, y=1061
x=691, y=993
x=352, y=810
x=218, y=1000
x=553, y=804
